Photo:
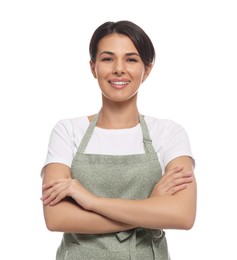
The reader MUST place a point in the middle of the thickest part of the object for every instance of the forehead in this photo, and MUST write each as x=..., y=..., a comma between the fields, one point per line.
x=116, y=43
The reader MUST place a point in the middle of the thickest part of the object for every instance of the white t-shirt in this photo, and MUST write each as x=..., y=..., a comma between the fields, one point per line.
x=169, y=139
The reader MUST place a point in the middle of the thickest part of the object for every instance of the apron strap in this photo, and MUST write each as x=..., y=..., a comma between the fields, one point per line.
x=87, y=136
x=147, y=142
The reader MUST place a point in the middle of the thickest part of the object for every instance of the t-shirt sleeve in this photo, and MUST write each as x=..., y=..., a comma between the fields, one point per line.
x=176, y=144
x=60, y=147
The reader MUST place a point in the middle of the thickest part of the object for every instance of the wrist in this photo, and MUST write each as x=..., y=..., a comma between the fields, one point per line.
x=95, y=204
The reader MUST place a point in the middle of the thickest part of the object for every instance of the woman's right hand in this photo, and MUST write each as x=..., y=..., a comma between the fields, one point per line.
x=172, y=182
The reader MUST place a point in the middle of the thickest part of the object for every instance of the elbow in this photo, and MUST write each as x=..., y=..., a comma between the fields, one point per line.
x=187, y=221
x=186, y=215
x=188, y=224
x=51, y=224
x=52, y=221
x=182, y=218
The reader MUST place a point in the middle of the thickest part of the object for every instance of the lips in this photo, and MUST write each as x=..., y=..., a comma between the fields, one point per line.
x=119, y=84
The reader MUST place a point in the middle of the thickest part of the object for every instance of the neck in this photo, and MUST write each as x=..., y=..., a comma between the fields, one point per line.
x=118, y=116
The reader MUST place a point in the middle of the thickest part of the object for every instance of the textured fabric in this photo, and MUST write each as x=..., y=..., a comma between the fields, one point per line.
x=169, y=139
x=116, y=176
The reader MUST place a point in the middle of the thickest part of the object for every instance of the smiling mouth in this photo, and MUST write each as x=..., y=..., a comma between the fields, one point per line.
x=119, y=84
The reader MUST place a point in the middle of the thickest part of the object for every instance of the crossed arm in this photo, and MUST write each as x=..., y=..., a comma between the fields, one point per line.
x=69, y=207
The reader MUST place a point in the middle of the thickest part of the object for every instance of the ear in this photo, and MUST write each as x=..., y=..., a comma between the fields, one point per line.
x=92, y=65
x=147, y=71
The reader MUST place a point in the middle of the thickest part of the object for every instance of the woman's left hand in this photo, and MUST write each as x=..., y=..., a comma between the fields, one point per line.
x=55, y=191
x=172, y=182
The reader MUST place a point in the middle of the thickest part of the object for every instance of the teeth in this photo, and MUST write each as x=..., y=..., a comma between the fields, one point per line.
x=119, y=83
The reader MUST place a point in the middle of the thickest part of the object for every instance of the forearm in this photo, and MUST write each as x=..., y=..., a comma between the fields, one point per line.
x=176, y=212
x=69, y=217
x=91, y=214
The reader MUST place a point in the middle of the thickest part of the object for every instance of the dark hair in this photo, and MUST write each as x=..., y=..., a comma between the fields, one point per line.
x=140, y=39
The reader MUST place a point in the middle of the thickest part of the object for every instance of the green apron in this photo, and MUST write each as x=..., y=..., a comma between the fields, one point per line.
x=116, y=176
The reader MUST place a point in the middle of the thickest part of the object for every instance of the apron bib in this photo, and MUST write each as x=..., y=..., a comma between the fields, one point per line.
x=116, y=176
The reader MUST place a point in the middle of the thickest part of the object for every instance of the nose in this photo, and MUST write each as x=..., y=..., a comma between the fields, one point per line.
x=119, y=68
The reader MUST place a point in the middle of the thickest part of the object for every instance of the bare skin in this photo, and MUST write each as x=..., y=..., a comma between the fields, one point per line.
x=62, y=214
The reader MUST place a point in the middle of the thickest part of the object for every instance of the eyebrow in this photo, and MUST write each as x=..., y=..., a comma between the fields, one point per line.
x=112, y=53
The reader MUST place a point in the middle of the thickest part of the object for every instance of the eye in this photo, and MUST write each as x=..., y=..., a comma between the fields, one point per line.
x=107, y=59
x=132, y=60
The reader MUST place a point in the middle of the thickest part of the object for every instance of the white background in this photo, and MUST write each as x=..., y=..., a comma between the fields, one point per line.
x=45, y=76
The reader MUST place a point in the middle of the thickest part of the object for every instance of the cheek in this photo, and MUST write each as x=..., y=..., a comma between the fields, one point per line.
x=139, y=75
x=102, y=71
x=137, y=72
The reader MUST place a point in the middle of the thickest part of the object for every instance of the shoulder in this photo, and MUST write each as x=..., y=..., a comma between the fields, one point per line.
x=170, y=139
x=162, y=125
x=72, y=125
x=167, y=134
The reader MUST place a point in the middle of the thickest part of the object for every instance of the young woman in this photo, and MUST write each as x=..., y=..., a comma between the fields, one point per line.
x=113, y=181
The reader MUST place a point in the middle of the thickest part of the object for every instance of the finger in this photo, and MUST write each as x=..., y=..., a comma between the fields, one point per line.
x=53, y=199
x=176, y=169
x=50, y=194
x=48, y=185
x=58, y=198
x=176, y=189
x=177, y=182
x=185, y=174
x=171, y=179
x=179, y=175
x=48, y=197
